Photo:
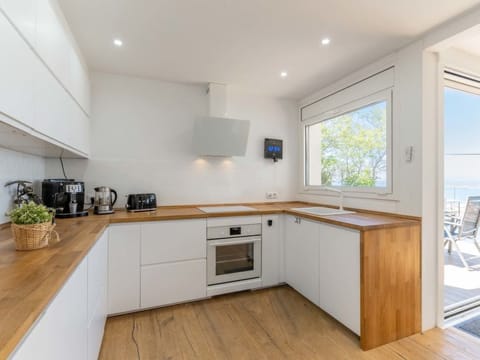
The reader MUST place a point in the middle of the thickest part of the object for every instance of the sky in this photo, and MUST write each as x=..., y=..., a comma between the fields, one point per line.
x=462, y=135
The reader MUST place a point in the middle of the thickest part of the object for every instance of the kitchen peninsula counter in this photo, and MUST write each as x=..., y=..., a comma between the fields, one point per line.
x=29, y=280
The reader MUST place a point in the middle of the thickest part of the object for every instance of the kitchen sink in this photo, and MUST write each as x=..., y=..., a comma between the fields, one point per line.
x=319, y=210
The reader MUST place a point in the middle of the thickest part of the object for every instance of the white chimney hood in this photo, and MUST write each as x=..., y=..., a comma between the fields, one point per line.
x=217, y=135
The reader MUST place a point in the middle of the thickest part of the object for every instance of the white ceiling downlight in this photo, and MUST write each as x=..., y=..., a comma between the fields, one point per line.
x=232, y=43
x=325, y=41
x=283, y=74
x=117, y=42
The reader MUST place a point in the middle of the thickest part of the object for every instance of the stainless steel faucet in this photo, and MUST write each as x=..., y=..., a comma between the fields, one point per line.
x=339, y=191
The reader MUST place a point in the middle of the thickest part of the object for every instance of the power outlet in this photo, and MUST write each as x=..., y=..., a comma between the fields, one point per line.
x=271, y=195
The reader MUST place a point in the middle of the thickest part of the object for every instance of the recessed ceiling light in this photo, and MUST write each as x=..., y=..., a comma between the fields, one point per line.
x=117, y=42
x=325, y=41
x=283, y=74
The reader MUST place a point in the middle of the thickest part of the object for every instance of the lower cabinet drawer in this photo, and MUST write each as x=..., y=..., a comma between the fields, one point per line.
x=170, y=283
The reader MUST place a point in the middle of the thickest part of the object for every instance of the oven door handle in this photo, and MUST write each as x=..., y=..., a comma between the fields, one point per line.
x=233, y=242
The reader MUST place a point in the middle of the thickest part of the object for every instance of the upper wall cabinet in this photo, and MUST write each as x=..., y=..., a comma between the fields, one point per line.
x=23, y=14
x=17, y=66
x=52, y=43
x=42, y=25
x=45, y=90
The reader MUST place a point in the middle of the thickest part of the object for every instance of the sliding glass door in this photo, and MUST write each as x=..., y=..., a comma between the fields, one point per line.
x=462, y=182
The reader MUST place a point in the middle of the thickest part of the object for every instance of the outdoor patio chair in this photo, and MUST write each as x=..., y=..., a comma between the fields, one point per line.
x=463, y=228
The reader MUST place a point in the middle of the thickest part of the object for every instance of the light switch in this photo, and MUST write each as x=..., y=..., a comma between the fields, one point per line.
x=409, y=153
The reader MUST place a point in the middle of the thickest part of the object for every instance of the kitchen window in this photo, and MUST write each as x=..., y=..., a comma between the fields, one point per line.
x=349, y=147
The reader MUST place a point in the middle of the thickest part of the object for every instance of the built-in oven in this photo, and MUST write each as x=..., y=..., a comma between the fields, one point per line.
x=233, y=253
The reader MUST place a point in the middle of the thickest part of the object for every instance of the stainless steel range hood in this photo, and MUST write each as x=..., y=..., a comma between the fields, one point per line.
x=218, y=135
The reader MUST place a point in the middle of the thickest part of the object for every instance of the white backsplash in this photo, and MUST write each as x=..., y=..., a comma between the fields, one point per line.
x=17, y=166
x=142, y=142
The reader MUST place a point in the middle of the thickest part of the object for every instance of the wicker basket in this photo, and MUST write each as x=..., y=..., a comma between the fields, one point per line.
x=34, y=236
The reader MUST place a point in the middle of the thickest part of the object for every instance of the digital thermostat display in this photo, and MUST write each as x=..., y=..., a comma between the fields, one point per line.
x=273, y=149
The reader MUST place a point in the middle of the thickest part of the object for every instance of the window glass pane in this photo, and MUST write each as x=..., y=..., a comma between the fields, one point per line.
x=349, y=150
x=462, y=148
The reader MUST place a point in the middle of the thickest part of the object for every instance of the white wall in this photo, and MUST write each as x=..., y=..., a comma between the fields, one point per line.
x=462, y=61
x=141, y=141
x=17, y=166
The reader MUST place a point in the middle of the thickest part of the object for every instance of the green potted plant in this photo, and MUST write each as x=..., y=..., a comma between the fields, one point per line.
x=32, y=226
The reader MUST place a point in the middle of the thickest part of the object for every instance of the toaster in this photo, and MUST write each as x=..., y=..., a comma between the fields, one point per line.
x=141, y=202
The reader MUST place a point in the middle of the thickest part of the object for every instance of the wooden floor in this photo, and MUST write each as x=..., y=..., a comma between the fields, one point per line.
x=271, y=324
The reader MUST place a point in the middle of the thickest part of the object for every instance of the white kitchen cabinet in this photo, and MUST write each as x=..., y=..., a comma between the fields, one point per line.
x=72, y=325
x=22, y=13
x=62, y=331
x=17, y=66
x=170, y=283
x=52, y=42
x=123, y=268
x=302, y=256
x=273, y=247
x=55, y=45
x=56, y=114
x=51, y=110
x=44, y=85
x=176, y=240
x=340, y=274
x=78, y=134
x=80, y=82
x=97, y=294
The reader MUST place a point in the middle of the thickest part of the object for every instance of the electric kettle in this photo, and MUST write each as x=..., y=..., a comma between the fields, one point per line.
x=105, y=198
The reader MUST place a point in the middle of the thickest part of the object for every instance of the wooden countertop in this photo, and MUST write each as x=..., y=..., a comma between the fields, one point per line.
x=360, y=220
x=30, y=280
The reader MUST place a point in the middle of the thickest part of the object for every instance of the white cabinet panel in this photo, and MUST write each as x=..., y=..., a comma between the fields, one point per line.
x=80, y=82
x=56, y=114
x=17, y=66
x=168, y=241
x=51, y=111
x=97, y=294
x=47, y=99
x=78, y=134
x=123, y=268
x=302, y=256
x=62, y=332
x=340, y=274
x=35, y=345
x=173, y=282
x=97, y=273
x=52, y=42
x=272, y=250
x=22, y=13
x=97, y=326
x=69, y=318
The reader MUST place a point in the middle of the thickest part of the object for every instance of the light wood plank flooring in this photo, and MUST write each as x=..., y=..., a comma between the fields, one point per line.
x=272, y=324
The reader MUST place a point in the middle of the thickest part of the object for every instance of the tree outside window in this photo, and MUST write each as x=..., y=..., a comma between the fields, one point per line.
x=349, y=150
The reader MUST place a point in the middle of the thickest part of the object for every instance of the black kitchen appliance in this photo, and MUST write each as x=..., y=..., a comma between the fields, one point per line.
x=141, y=202
x=273, y=149
x=66, y=196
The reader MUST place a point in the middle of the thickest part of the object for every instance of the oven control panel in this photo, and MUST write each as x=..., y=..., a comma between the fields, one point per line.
x=222, y=232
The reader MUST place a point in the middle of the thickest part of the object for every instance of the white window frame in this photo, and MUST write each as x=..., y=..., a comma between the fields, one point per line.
x=380, y=96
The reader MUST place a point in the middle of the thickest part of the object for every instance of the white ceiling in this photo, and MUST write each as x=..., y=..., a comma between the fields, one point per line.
x=247, y=43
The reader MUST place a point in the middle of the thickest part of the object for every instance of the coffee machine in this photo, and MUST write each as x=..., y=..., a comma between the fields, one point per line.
x=66, y=196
